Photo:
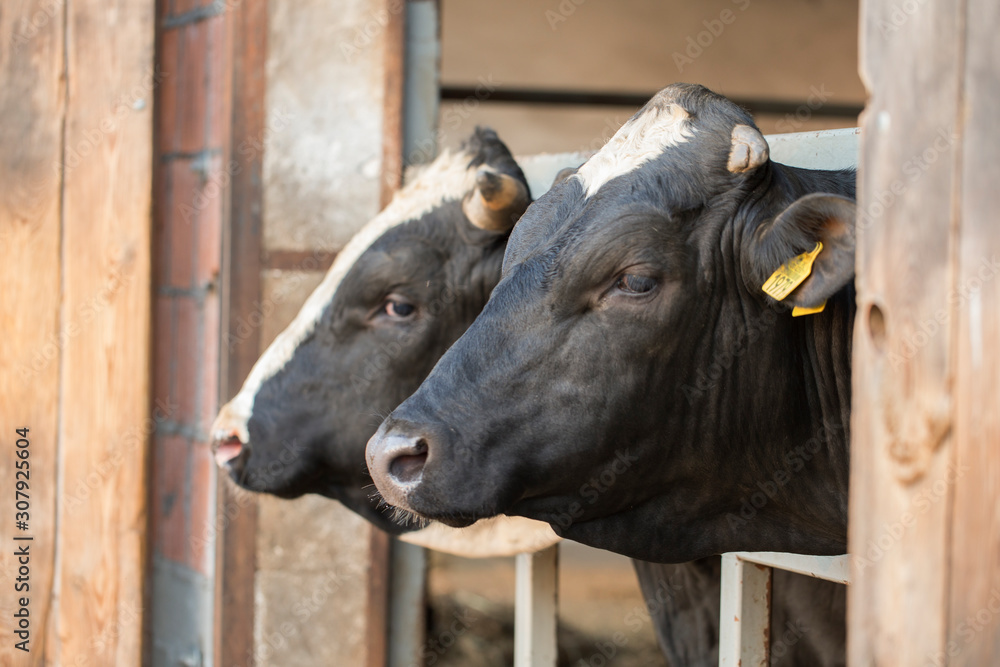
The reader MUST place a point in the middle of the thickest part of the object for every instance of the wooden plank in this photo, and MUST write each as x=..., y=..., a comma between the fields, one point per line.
x=903, y=365
x=32, y=105
x=745, y=614
x=535, y=607
x=974, y=598
x=236, y=551
x=105, y=390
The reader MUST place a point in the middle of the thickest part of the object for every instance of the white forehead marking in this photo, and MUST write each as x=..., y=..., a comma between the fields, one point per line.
x=641, y=139
x=447, y=178
x=487, y=538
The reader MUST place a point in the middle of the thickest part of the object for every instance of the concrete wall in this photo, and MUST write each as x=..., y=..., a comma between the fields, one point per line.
x=321, y=169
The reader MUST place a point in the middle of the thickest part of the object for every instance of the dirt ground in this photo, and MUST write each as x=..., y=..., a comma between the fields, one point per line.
x=597, y=592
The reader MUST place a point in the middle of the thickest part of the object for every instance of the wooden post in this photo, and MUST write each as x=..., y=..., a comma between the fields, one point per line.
x=236, y=561
x=973, y=606
x=105, y=424
x=925, y=463
x=32, y=92
x=535, y=608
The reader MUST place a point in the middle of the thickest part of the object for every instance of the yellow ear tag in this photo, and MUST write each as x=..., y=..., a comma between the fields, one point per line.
x=799, y=311
x=791, y=274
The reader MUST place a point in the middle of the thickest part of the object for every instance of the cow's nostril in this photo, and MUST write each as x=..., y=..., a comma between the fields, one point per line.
x=227, y=450
x=407, y=468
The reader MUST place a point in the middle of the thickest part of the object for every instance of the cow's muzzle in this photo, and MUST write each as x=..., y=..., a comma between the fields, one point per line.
x=396, y=461
x=229, y=444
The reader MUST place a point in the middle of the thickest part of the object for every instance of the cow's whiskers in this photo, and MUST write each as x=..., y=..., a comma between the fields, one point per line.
x=399, y=515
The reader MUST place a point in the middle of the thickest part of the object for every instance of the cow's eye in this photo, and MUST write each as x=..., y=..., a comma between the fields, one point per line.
x=631, y=283
x=398, y=309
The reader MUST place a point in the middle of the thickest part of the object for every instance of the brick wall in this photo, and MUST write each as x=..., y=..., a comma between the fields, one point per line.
x=192, y=113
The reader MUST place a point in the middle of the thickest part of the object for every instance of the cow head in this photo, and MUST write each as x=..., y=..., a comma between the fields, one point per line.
x=628, y=380
x=405, y=287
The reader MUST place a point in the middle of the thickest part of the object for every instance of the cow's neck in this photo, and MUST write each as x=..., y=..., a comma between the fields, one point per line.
x=783, y=421
x=788, y=405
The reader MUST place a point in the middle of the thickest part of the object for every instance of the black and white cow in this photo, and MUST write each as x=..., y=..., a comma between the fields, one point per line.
x=628, y=381
x=404, y=289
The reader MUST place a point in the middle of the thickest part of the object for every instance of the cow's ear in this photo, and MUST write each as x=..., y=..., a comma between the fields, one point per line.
x=497, y=200
x=813, y=219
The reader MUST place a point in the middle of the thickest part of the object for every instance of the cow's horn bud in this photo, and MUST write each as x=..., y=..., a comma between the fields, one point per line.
x=748, y=151
x=497, y=201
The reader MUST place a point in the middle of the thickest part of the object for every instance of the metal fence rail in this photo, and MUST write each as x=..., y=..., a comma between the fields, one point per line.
x=745, y=616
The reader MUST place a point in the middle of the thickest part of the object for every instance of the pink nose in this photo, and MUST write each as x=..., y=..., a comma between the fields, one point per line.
x=227, y=447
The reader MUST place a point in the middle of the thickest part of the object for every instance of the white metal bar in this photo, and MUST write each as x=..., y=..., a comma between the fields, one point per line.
x=823, y=149
x=535, y=606
x=407, y=605
x=831, y=568
x=745, y=615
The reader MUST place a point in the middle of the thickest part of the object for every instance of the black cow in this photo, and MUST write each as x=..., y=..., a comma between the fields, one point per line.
x=629, y=381
x=408, y=285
